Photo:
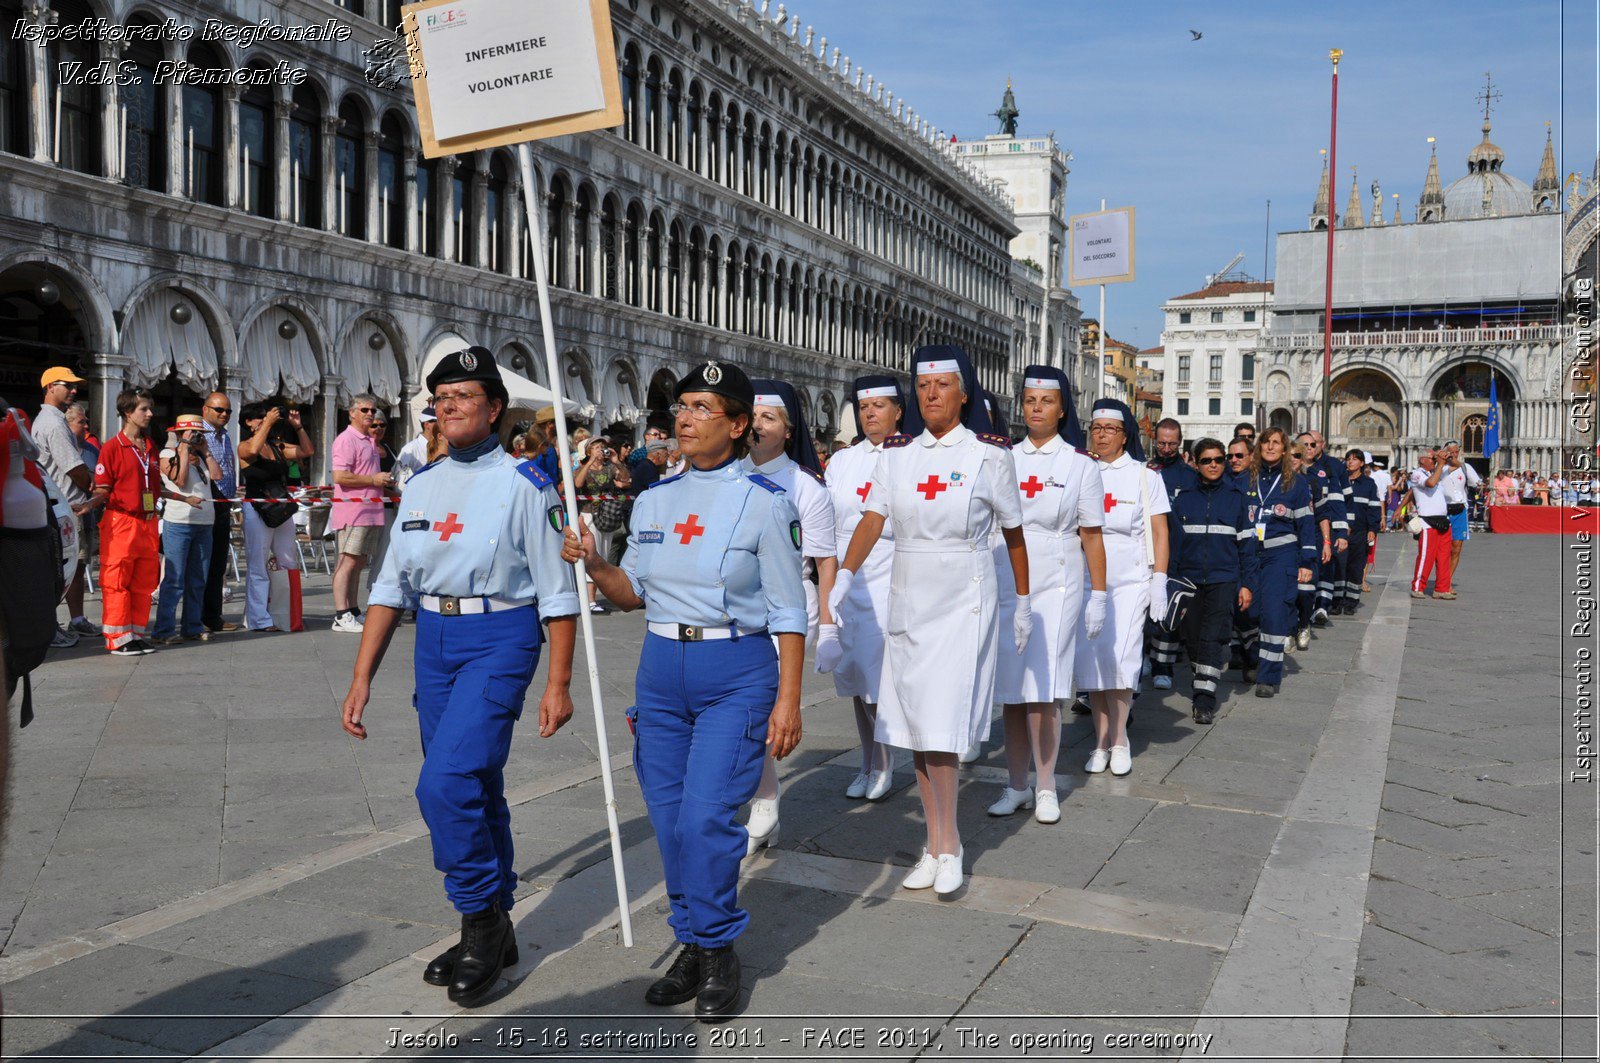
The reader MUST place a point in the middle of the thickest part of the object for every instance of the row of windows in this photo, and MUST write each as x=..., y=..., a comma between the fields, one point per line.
x=1247, y=368
x=677, y=118
x=1186, y=317
x=1247, y=407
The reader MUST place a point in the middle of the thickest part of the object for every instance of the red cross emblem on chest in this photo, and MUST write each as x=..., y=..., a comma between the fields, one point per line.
x=448, y=527
x=931, y=487
x=688, y=529
x=1111, y=500
x=1031, y=486
x=864, y=490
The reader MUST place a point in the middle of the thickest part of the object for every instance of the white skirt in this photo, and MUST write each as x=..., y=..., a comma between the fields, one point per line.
x=865, y=612
x=1113, y=660
x=937, y=688
x=1043, y=672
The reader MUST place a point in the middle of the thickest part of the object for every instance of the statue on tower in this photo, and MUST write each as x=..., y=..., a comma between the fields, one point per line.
x=1008, y=113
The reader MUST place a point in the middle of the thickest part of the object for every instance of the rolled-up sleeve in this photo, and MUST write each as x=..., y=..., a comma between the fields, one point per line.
x=777, y=558
x=555, y=579
x=393, y=588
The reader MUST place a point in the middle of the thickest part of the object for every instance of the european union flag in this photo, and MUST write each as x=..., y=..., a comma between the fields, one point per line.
x=1491, y=432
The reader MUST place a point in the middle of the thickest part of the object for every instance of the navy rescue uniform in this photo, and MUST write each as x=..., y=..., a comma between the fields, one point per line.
x=1212, y=543
x=714, y=556
x=1287, y=537
x=1178, y=476
x=1366, y=517
x=1330, y=495
x=476, y=551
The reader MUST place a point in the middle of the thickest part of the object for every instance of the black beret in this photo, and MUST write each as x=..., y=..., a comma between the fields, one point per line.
x=718, y=378
x=474, y=363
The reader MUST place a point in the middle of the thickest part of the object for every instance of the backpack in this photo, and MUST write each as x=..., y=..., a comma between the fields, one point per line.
x=31, y=573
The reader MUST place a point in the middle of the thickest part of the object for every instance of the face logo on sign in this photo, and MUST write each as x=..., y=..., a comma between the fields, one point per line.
x=469, y=361
x=450, y=16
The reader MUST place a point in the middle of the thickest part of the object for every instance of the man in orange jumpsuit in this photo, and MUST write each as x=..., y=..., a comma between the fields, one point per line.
x=129, y=475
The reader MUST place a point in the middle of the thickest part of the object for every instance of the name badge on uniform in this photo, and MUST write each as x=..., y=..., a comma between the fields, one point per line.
x=149, y=502
x=1261, y=531
x=414, y=525
x=652, y=537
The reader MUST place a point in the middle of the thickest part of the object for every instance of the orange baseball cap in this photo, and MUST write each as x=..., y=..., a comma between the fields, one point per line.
x=60, y=374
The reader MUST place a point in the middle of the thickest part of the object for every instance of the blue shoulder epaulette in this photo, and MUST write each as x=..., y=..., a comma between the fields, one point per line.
x=899, y=439
x=669, y=479
x=815, y=475
x=1003, y=442
x=762, y=481
x=536, y=475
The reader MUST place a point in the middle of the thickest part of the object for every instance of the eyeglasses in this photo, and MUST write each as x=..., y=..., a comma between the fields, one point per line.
x=371, y=409
x=458, y=398
x=1103, y=428
x=699, y=411
x=1208, y=461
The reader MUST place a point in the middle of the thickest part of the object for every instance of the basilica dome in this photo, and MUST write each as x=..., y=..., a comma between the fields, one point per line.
x=1487, y=191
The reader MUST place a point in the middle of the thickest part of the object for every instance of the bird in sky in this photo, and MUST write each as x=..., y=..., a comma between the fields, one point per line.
x=1195, y=35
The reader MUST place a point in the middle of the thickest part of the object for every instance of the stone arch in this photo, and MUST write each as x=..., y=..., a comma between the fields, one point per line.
x=522, y=356
x=206, y=370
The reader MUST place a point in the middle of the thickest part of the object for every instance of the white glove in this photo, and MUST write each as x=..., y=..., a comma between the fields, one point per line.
x=1094, y=614
x=1158, y=596
x=1022, y=622
x=829, y=650
x=836, y=597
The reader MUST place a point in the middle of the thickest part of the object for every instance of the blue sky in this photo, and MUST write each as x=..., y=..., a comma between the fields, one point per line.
x=1198, y=135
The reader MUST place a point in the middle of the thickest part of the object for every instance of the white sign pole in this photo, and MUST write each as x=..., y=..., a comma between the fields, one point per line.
x=1105, y=372
x=530, y=200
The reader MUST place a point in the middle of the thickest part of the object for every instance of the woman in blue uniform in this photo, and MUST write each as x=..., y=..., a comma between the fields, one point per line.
x=713, y=557
x=1365, y=516
x=475, y=554
x=1280, y=509
x=1213, y=544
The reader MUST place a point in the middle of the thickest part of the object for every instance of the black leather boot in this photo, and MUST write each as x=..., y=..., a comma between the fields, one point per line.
x=442, y=971
x=680, y=983
x=481, y=955
x=719, y=987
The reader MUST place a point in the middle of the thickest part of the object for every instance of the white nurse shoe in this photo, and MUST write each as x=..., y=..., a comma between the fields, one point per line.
x=950, y=876
x=858, y=786
x=923, y=875
x=1011, y=800
x=1098, y=761
x=1121, y=760
x=879, y=783
x=1047, y=809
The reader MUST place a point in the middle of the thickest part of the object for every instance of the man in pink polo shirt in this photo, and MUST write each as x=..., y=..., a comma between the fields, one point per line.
x=357, y=517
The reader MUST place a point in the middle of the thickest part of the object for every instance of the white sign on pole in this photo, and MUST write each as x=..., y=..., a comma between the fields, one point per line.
x=1102, y=247
x=492, y=72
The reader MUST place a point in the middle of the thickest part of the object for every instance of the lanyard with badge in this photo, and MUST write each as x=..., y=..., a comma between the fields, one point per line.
x=1261, y=514
x=144, y=461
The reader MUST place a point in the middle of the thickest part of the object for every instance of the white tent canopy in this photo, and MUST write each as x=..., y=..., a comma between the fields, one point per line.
x=524, y=392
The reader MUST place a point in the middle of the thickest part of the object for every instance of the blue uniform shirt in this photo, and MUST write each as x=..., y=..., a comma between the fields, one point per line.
x=716, y=547
x=1334, y=502
x=1178, y=475
x=1283, y=514
x=478, y=523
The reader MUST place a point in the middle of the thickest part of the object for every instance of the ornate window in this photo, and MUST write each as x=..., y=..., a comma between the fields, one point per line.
x=202, y=134
x=391, y=202
x=1472, y=429
x=1369, y=424
x=350, y=172
x=79, y=106
x=259, y=164
x=305, y=159
x=13, y=85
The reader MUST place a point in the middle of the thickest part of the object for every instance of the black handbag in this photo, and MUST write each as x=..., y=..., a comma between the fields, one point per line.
x=275, y=513
x=1180, y=593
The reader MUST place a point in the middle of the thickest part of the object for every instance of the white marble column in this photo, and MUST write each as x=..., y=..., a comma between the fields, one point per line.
x=41, y=86
x=408, y=192
x=229, y=157
x=374, y=201
x=111, y=157
x=282, y=185
x=329, y=221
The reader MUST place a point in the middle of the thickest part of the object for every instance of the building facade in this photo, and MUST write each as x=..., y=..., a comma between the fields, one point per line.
x=1209, y=342
x=277, y=233
x=1033, y=172
x=1425, y=315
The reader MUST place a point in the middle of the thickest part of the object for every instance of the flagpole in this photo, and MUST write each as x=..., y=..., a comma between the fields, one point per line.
x=530, y=201
x=1327, y=296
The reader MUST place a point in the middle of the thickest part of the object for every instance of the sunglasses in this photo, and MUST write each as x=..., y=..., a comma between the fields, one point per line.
x=220, y=409
x=366, y=409
x=1208, y=461
x=1237, y=457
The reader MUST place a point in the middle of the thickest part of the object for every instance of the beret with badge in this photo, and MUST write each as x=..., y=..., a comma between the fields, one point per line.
x=718, y=378
x=474, y=363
